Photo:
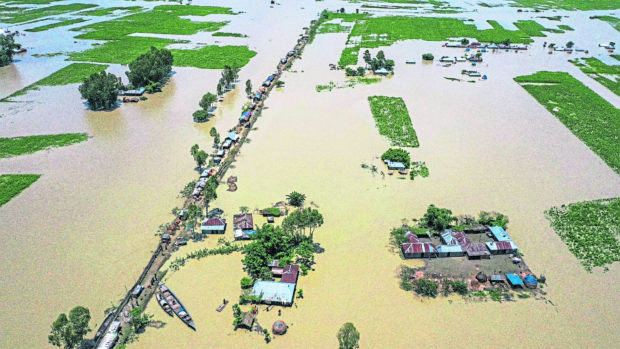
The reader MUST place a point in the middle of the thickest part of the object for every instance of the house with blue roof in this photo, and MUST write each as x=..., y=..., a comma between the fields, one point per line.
x=499, y=234
x=273, y=292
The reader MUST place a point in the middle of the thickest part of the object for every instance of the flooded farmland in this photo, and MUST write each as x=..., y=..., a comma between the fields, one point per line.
x=82, y=233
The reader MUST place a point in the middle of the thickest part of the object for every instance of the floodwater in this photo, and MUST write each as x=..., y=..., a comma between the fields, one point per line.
x=81, y=234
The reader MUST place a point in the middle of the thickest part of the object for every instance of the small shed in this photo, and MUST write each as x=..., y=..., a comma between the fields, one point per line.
x=394, y=165
x=247, y=320
x=530, y=281
x=514, y=280
x=382, y=71
x=497, y=278
x=233, y=136
x=213, y=225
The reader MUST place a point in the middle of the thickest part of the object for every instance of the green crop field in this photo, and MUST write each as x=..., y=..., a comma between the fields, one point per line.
x=569, y=5
x=384, y=31
x=232, y=35
x=31, y=144
x=70, y=74
x=40, y=12
x=600, y=72
x=56, y=25
x=393, y=120
x=590, y=230
x=110, y=10
x=120, y=51
x=13, y=184
x=565, y=27
x=213, y=57
x=586, y=114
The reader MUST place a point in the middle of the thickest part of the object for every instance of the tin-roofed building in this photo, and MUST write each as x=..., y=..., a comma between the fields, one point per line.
x=412, y=236
x=448, y=239
x=499, y=234
x=502, y=247
x=477, y=250
x=290, y=274
x=514, y=280
x=213, y=225
x=272, y=292
x=243, y=221
x=419, y=250
x=450, y=251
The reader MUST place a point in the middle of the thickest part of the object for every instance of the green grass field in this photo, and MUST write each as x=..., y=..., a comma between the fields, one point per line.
x=31, y=144
x=586, y=114
x=70, y=74
x=569, y=5
x=13, y=184
x=56, y=25
x=21, y=16
x=232, y=35
x=120, y=51
x=590, y=230
x=393, y=120
x=213, y=57
x=110, y=10
x=597, y=71
x=384, y=31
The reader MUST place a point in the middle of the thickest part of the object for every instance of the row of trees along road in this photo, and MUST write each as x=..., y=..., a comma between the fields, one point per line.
x=7, y=48
x=148, y=70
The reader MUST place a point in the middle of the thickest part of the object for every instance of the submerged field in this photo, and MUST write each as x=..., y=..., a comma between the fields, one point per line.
x=12, y=185
x=9, y=16
x=601, y=72
x=71, y=74
x=587, y=115
x=590, y=230
x=56, y=25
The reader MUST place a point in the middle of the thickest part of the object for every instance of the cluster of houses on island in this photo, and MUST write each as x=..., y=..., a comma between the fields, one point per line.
x=458, y=244
x=243, y=226
x=481, y=46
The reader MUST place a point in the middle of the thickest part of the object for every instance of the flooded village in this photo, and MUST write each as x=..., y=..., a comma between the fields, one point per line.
x=106, y=227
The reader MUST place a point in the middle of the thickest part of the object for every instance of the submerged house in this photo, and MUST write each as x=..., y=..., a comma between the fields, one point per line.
x=243, y=221
x=273, y=292
x=382, y=71
x=393, y=165
x=214, y=225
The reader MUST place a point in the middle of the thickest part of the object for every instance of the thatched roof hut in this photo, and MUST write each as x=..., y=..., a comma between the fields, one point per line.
x=279, y=327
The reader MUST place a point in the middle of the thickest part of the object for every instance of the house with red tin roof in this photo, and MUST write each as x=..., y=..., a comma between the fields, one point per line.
x=214, y=225
x=290, y=274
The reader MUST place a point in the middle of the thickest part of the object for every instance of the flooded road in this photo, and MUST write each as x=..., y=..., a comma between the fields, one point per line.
x=82, y=233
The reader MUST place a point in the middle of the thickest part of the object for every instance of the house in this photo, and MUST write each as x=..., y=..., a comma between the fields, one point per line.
x=247, y=320
x=244, y=235
x=267, y=83
x=258, y=96
x=461, y=59
x=227, y=144
x=477, y=250
x=272, y=292
x=412, y=236
x=497, y=278
x=207, y=173
x=243, y=221
x=453, y=44
x=446, y=59
x=410, y=61
x=450, y=251
x=514, y=280
x=461, y=238
x=290, y=274
x=382, y=71
x=233, y=136
x=448, y=239
x=418, y=250
x=499, y=234
x=214, y=225
x=138, y=92
x=394, y=165
x=502, y=247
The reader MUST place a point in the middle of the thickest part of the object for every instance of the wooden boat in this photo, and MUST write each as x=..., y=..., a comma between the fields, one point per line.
x=163, y=303
x=177, y=307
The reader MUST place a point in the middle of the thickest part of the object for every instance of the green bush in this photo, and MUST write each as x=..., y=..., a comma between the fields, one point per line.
x=201, y=115
x=151, y=66
x=397, y=155
x=428, y=57
x=425, y=288
x=246, y=282
x=459, y=287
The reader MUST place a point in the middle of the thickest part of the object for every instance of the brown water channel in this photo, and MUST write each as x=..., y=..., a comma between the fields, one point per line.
x=85, y=228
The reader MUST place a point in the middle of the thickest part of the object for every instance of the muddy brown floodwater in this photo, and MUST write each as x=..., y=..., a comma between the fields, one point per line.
x=82, y=232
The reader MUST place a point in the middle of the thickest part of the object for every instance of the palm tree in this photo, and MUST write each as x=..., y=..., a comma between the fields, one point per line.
x=296, y=199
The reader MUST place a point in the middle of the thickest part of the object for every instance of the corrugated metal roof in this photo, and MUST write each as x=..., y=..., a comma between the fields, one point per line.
x=501, y=245
x=274, y=291
x=477, y=249
x=514, y=279
x=461, y=238
x=243, y=221
x=447, y=238
x=418, y=247
x=500, y=234
x=412, y=237
x=290, y=273
x=449, y=248
x=214, y=222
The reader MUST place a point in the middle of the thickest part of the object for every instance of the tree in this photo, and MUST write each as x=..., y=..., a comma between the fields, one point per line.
x=506, y=42
x=201, y=158
x=139, y=319
x=7, y=47
x=437, y=218
x=464, y=41
x=100, y=90
x=425, y=287
x=459, y=287
x=200, y=115
x=367, y=57
x=152, y=66
x=381, y=57
x=246, y=282
x=212, y=132
x=68, y=331
x=244, y=209
x=389, y=64
x=348, y=336
x=207, y=100
x=570, y=44
x=210, y=191
x=397, y=155
x=219, y=88
x=300, y=293
x=428, y=57
x=296, y=199
x=216, y=138
x=361, y=71
x=299, y=222
x=194, y=149
x=248, y=87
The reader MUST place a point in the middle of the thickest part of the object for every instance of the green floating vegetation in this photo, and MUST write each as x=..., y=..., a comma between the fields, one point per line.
x=162, y=19
x=213, y=57
x=531, y=28
x=233, y=35
x=393, y=120
x=565, y=27
x=21, y=16
x=613, y=21
x=349, y=83
x=56, y=25
x=418, y=169
x=107, y=11
x=120, y=51
x=552, y=18
x=586, y=114
x=31, y=144
x=373, y=32
x=71, y=74
x=590, y=230
x=13, y=184
x=595, y=69
x=569, y=5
